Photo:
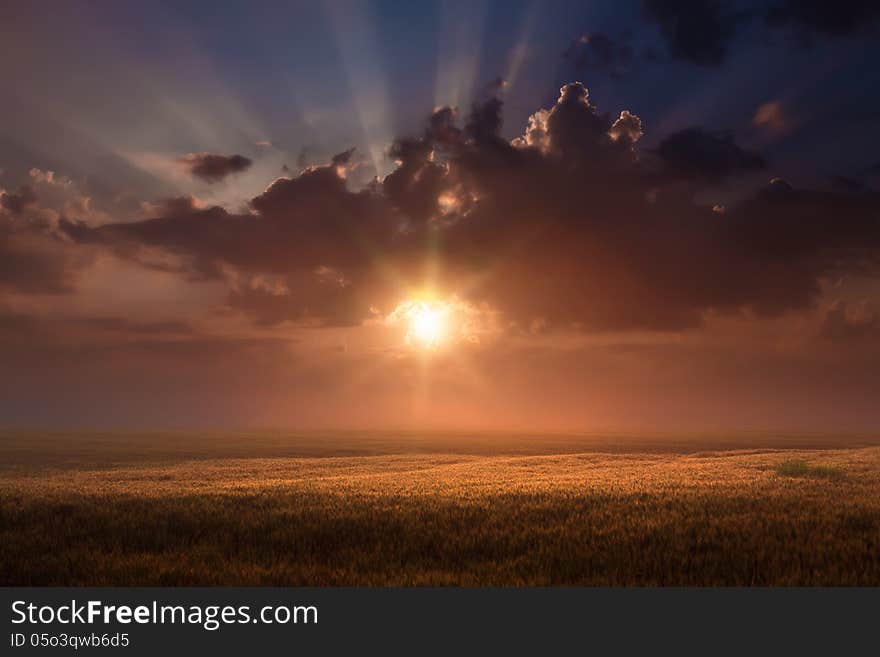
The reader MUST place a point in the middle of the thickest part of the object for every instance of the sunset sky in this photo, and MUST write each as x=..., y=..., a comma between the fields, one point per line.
x=500, y=215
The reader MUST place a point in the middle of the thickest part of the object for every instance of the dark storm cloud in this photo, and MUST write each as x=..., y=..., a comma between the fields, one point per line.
x=696, y=153
x=17, y=202
x=416, y=184
x=297, y=221
x=302, y=227
x=698, y=31
x=214, y=168
x=834, y=18
x=579, y=236
x=442, y=128
x=701, y=31
x=568, y=224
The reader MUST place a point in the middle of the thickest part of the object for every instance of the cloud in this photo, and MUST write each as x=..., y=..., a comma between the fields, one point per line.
x=697, y=31
x=772, y=118
x=567, y=225
x=442, y=127
x=34, y=261
x=697, y=153
x=837, y=18
x=213, y=168
x=35, y=258
x=173, y=206
x=574, y=130
x=322, y=297
x=16, y=203
x=627, y=128
x=299, y=226
x=701, y=31
x=843, y=322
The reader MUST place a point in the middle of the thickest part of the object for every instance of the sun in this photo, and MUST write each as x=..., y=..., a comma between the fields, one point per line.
x=428, y=325
x=433, y=323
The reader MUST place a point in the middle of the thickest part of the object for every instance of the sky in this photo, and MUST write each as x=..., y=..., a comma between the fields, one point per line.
x=519, y=215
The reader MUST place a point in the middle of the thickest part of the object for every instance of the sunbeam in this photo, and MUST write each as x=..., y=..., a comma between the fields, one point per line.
x=459, y=40
x=356, y=41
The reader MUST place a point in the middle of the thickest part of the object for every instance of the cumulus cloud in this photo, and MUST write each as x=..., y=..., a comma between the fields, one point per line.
x=563, y=226
x=627, y=128
x=213, y=168
x=574, y=130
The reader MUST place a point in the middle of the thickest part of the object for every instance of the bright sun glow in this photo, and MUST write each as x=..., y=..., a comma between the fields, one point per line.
x=427, y=325
x=431, y=324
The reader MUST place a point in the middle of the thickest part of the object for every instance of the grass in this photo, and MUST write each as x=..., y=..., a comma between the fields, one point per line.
x=433, y=510
x=800, y=468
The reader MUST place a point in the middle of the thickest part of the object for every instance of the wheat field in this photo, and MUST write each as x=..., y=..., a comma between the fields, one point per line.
x=422, y=509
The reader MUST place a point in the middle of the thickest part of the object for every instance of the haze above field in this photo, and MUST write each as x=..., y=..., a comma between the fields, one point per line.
x=37, y=451
x=498, y=215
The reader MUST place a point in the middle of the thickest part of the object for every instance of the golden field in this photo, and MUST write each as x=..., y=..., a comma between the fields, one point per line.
x=433, y=509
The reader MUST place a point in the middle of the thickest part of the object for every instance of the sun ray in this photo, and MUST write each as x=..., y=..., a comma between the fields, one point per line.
x=518, y=53
x=356, y=39
x=459, y=41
